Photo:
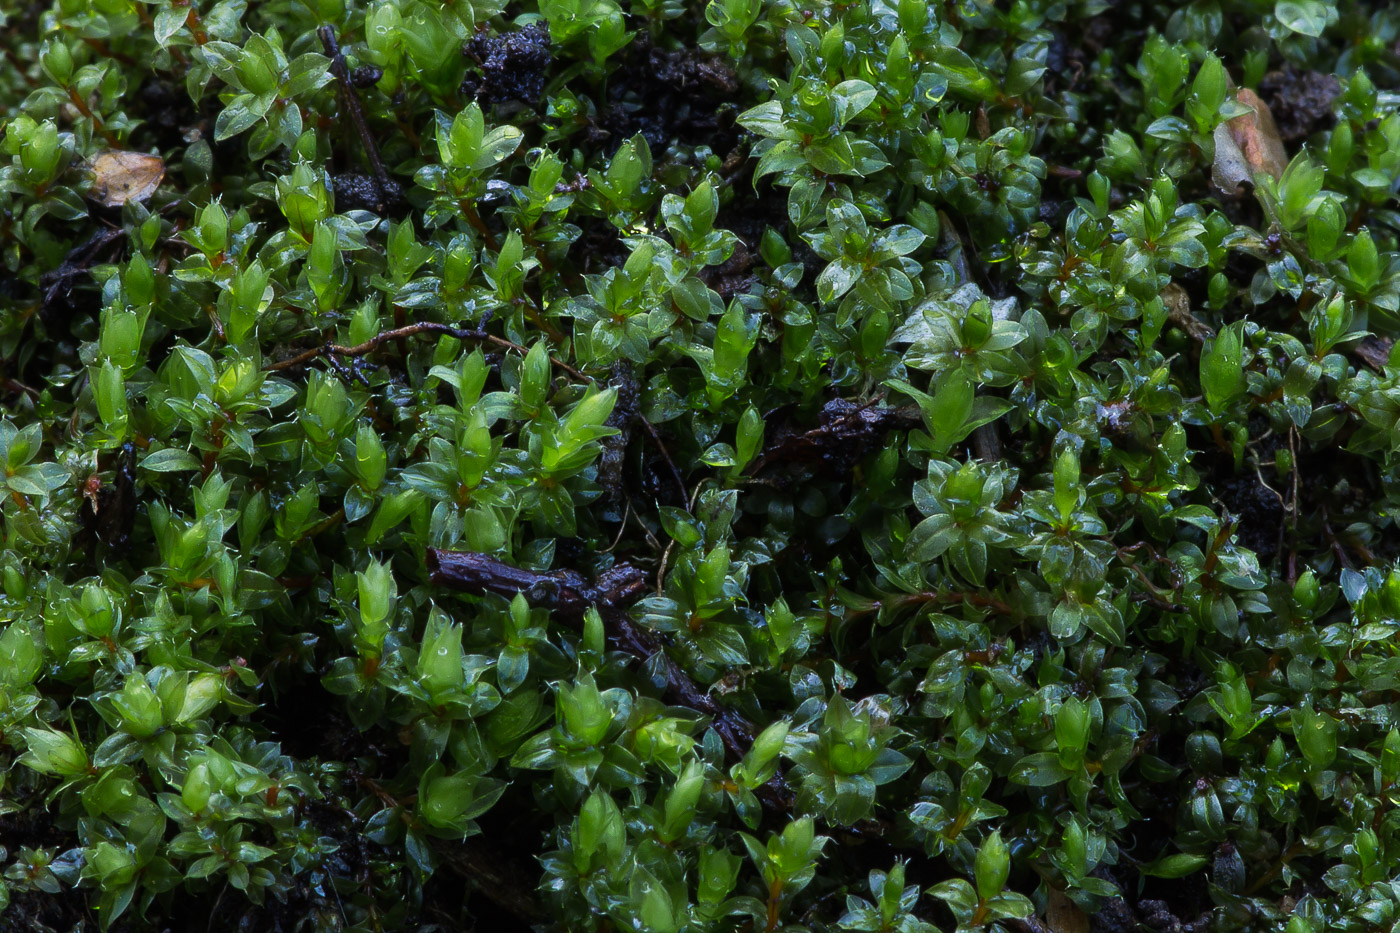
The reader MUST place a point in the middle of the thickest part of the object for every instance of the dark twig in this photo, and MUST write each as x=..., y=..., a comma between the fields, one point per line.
x=666, y=456
x=1178, y=305
x=413, y=330
x=1336, y=545
x=57, y=284
x=347, y=374
x=569, y=595
x=387, y=186
x=19, y=388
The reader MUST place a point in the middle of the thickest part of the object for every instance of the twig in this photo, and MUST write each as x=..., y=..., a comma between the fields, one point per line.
x=1178, y=306
x=97, y=122
x=413, y=330
x=214, y=911
x=357, y=113
x=666, y=455
x=1336, y=545
x=1293, y=452
x=19, y=388
x=670, y=546
x=621, y=527
x=569, y=595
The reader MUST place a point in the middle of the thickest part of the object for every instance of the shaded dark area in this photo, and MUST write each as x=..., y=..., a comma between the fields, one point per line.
x=67, y=291
x=109, y=506
x=32, y=910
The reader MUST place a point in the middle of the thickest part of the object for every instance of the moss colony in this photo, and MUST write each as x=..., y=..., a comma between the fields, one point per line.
x=637, y=465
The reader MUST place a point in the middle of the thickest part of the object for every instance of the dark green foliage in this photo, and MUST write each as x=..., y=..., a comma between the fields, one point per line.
x=663, y=466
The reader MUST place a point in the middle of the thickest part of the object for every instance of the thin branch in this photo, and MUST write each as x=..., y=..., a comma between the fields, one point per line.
x=19, y=388
x=666, y=455
x=1337, y=548
x=1178, y=305
x=569, y=596
x=670, y=546
x=413, y=330
x=357, y=113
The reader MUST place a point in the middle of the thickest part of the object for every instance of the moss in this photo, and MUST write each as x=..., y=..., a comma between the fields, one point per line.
x=734, y=466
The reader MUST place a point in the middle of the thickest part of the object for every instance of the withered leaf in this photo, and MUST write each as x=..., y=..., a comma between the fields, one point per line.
x=1062, y=915
x=119, y=177
x=1247, y=145
x=1257, y=136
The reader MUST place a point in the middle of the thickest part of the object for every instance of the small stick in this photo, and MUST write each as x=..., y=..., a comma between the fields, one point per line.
x=413, y=330
x=357, y=113
x=19, y=388
x=569, y=595
x=1293, y=452
x=666, y=455
x=671, y=546
x=1178, y=305
x=1336, y=545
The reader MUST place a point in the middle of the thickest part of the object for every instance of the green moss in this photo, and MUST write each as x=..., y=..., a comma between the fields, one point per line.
x=733, y=466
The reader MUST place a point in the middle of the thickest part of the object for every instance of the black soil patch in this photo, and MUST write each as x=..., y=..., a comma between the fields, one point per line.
x=512, y=67
x=1301, y=101
x=670, y=95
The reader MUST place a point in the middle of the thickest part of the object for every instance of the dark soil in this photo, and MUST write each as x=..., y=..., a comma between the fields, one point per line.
x=1259, y=511
x=169, y=117
x=513, y=67
x=355, y=191
x=468, y=890
x=670, y=95
x=1301, y=101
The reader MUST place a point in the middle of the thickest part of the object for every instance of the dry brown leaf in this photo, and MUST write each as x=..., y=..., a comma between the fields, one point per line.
x=1229, y=170
x=1247, y=145
x=119, y=177
x=1062, y=915
x=1257, y=136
